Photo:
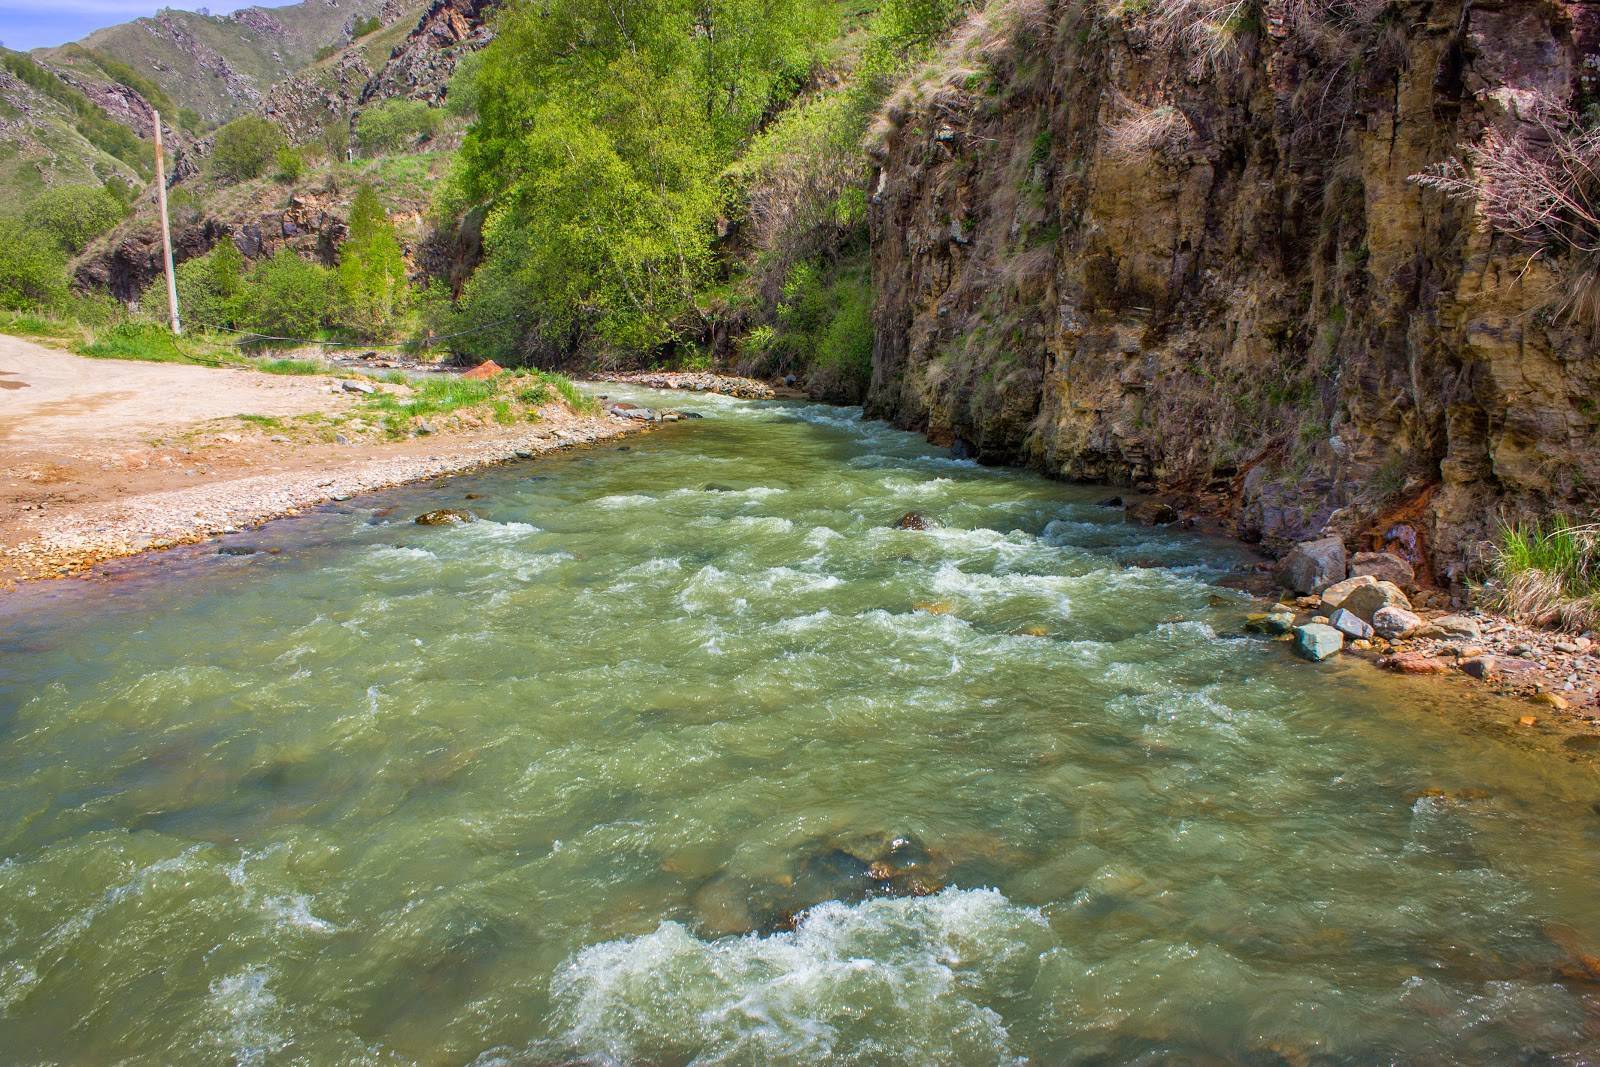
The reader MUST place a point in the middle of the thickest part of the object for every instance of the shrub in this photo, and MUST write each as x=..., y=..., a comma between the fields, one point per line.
x=287, y=296
x=244, y=148
x=364, y=26
x=74, y=215
x=372, y=272
x=395, y=125
x=291, y=165
x=210, y=288
x=33, y=273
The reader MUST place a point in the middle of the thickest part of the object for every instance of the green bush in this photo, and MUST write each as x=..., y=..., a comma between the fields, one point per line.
x=291, y=165
x=287, y=296
x=33, y=273
x=395, y=125
x=210, y=289
x=364, y=26
x=245, y=147
x=74, y=215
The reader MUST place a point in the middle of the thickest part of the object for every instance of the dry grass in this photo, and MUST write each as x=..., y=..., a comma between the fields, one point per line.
x=1540, y=185
x=1148, y=129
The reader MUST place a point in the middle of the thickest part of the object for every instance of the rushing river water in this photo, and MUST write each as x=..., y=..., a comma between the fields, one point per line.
x=684, y=754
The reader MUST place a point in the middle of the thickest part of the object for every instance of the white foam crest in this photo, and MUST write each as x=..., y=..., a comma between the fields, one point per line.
x=617, y=501
x=133, y=888
x=652, y=567
x=951, y=580
x=710, y=586
x=767, y=523
x=905, y=978
x=248, y=1008
x=753, y=492
x=491, y=530
x=802, y=623
x=295, y=911
x=819, y=536
x=924, y=487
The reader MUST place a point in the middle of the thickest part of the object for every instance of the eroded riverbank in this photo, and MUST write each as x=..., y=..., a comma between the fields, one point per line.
x=564, y=782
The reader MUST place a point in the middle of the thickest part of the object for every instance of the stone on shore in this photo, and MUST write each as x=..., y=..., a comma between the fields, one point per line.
x=1317, y=642
x=1350, y=624
x=1367, y=600
x=1393, y=622
x=1415, y=663
x=1451, y=626
x=1276, y=621
x=1312, y=566
x=1334, y=595
x=1385, y=567
x=357, y=385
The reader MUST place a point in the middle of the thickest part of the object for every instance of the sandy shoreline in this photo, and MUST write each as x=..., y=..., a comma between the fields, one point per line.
x=106, y=459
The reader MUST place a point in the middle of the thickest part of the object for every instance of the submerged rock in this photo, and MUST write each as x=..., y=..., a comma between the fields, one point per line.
x=1152, y=513
x=1316, y=642
x=914, y=520
x=446, y=517
x=1414, y=663
x=1312, y=566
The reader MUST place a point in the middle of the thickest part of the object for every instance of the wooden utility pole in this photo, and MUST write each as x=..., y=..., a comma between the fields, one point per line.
x=166, y=230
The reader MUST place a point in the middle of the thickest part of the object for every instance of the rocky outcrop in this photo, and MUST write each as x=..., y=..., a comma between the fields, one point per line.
x=305, y=105
x=1122, y=253
x=420, y=67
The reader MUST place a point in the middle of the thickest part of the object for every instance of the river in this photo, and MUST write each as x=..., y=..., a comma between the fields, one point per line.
x=684, y=754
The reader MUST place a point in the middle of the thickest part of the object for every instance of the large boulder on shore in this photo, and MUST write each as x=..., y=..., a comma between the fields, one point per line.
x=1317, y=642
x=1384, y=567
x=1312, y=566
x=1351, y=625
x=1446, y=627
x=1369, y=599
x=1334, y=596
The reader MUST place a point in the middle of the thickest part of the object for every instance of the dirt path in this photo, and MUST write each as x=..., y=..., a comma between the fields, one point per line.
x=106, y=458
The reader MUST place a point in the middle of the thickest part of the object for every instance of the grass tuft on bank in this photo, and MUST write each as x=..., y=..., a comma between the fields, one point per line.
x=1548, y=573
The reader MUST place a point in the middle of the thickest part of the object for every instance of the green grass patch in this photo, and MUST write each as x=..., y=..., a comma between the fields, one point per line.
x=1549, y=573
x=142, y=341
x=292, y=366
x=28, y=324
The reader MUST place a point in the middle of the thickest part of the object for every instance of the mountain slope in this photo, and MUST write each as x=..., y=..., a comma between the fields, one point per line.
x=221, y=66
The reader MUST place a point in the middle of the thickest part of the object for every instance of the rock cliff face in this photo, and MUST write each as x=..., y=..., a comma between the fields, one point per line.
x=1118, y=249
x=420, y=67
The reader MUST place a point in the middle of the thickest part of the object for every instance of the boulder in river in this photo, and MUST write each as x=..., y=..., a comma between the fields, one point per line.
x=1367, y=600
x=1317, y=642
x=914, y=520
x=1384, y=567
x=446, y=517
x=1152, y=513
x=1312, y=566
x=1394, y=621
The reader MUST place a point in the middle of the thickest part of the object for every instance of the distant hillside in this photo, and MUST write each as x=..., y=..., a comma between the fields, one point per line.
x=222, y=66
x=53, y=133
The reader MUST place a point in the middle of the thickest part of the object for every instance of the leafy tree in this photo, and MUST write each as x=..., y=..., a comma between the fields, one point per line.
x=372, y=271
x=74, y=215
x=599, y=142
x=395, y=125
x=287, y=296
x=33, y=273
x=245, y=147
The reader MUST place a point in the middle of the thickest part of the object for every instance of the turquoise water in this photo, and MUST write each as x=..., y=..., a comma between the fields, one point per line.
x=684, y=754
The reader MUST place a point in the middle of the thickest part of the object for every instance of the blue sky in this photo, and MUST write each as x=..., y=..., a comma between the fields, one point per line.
x=28, y=24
